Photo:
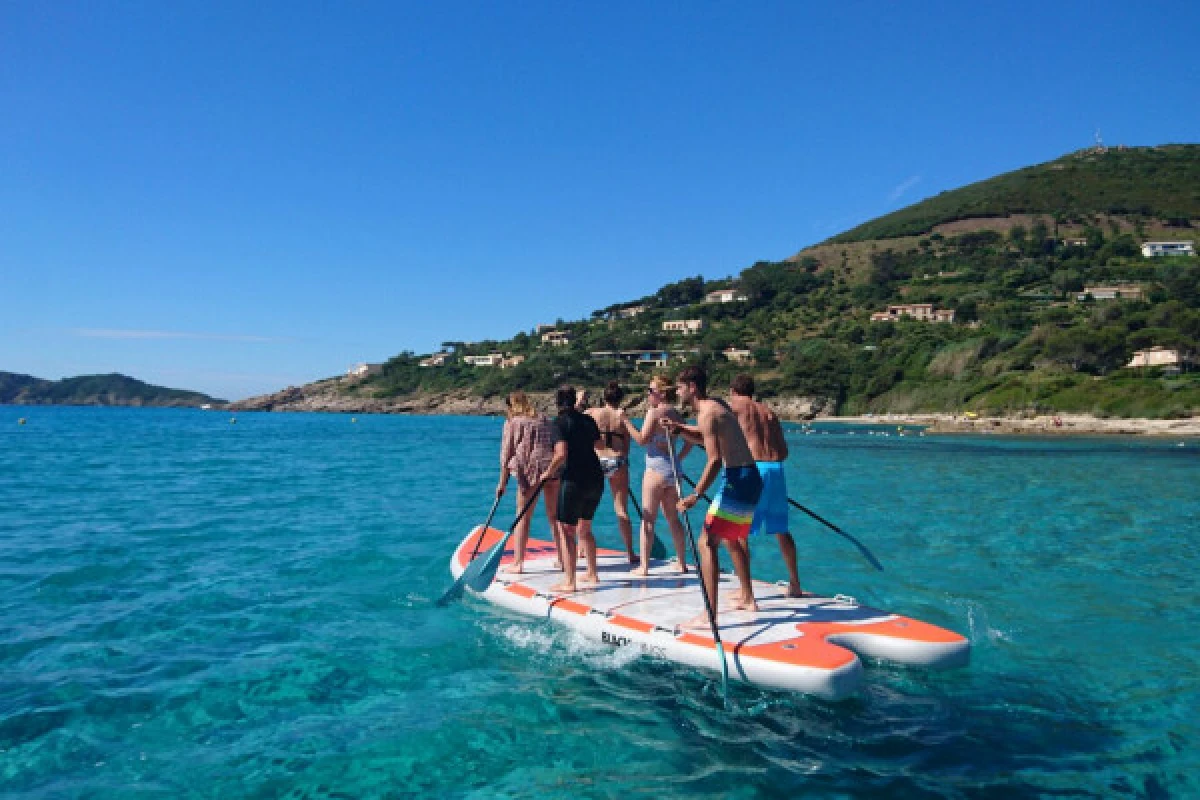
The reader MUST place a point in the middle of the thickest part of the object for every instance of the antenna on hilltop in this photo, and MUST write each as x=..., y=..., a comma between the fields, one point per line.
x=1099, y=141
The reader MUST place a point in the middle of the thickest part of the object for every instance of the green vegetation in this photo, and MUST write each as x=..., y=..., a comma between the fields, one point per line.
x=1150, y=183
x=94, y=390
x=1026, y=336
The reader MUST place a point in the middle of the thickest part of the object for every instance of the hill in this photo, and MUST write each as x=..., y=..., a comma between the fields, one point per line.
x=1038, y=275
x=95, y=390
x=1155, y=183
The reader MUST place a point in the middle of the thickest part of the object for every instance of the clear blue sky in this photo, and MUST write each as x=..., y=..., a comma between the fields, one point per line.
x=234, y=196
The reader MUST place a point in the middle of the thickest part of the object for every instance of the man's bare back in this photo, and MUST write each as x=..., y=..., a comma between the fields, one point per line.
x=761, y=426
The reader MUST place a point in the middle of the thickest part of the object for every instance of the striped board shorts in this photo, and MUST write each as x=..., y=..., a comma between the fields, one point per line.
x=732, y=510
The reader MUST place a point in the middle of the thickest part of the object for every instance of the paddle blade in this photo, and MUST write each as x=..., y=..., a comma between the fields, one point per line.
x=481, y=572
x=658, y=549
x=455, y=591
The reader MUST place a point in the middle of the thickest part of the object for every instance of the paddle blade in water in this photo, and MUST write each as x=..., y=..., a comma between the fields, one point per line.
x=482, y=571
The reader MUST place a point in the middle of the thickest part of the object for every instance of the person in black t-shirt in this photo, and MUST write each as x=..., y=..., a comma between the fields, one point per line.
x=580, y=490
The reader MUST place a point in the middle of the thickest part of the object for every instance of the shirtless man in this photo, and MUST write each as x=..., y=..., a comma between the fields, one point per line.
x=732, y=510
x=764, y=434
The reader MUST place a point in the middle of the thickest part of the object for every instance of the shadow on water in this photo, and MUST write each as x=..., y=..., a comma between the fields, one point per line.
x=908, y=734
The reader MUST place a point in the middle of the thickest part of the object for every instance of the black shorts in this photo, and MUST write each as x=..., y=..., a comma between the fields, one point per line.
x=578, y=501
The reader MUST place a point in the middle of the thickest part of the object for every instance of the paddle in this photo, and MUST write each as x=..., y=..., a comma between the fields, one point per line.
x=481, y=578
x=862, y=548
x=455, y=591
x=658, y=549
x=708, y=603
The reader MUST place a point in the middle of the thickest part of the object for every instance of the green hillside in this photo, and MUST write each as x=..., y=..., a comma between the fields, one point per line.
x=1026, y=334
x=1159, y=183
x=94, y=390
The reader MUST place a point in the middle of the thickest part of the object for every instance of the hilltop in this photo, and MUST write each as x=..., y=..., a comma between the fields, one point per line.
x=95, y=390
x=1039, y=278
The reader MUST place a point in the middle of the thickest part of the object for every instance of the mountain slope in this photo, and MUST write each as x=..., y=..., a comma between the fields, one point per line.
x=95, y=390
x=1161, y=183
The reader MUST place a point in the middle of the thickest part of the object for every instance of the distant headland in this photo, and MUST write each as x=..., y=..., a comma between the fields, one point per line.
x=96, y=390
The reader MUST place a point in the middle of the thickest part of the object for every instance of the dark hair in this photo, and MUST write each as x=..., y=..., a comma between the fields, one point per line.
x=743, y=384
x=613, y=393
x=694, y=375
x=564, y=398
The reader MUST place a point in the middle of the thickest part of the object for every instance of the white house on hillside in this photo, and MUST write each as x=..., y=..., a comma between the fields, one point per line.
x=1155, y=357
x=490, y=360
x=1183, y=248
x=724, y=296
x=556, y=338
x=685, y=326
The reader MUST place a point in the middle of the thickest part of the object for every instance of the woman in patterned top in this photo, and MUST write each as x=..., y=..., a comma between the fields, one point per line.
x=526, y=450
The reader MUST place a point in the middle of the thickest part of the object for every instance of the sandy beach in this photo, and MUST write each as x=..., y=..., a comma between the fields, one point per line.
x=1040, y=425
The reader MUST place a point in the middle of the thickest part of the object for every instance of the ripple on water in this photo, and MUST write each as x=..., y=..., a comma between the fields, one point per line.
x=198, y=609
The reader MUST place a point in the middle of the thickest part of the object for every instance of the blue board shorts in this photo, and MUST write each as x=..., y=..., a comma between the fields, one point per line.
x=771, y=513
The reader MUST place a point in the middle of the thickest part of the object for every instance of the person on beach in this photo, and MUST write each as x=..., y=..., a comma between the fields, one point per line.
x=580, y=489
x=732, y=510
x=613, y=451
x=658, y=481
x=526, y=451
x=764, y=434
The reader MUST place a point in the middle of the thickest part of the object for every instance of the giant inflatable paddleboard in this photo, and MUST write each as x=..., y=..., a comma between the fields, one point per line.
x=809, y=644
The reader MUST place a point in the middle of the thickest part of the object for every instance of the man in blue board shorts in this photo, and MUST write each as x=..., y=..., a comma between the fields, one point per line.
x=764, y=434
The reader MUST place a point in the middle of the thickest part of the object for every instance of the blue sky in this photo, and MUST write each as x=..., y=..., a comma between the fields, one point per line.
x=233, y=197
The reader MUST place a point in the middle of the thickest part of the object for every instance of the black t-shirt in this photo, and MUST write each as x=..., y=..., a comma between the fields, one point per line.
x=580, y=433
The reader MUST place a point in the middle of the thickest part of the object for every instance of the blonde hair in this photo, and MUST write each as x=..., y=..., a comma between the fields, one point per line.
x=662, y=383
x=519, y=405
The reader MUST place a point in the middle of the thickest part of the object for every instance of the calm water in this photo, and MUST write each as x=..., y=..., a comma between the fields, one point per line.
x=193, y=608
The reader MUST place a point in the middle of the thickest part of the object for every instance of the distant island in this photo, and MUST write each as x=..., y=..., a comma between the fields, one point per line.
x=96, y=390
x=1071, y=286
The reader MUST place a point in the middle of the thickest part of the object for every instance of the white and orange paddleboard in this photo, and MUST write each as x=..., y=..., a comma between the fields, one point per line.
x=809, y=644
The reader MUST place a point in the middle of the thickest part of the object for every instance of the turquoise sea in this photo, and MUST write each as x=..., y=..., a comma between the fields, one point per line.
x=191, y=607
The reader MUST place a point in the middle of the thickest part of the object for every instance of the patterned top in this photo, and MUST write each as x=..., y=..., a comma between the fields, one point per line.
x=527, y=447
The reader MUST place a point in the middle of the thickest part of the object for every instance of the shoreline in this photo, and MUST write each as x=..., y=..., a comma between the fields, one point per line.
x=1063, y=424
x=329, y=397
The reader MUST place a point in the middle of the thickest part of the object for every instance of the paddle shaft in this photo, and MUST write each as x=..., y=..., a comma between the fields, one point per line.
x=481, y=579
x=484, y=529
x=862, y=548
x=708, y=602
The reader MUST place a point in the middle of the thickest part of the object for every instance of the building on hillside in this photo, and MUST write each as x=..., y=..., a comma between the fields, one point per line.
x=635, y=358
x=629, y=312
x=924, y=312
x=725, y=296
x=687, y=327
x=490, y=360
x=1112, y=292
x=363, y=370
x=540, y=329
x=738, y=355
x=556, y=338
x=1181, y=248
x=1075, y=242
x=1156, y=357
x=435, y=360
x=512, y=361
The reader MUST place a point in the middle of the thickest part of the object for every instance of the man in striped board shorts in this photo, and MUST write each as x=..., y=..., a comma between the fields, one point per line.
x=732, y=510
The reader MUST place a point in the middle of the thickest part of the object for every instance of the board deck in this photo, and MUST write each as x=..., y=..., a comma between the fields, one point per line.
x=810, y=644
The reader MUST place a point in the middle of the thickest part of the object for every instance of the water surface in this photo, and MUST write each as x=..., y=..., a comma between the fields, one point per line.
x=194, y=608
